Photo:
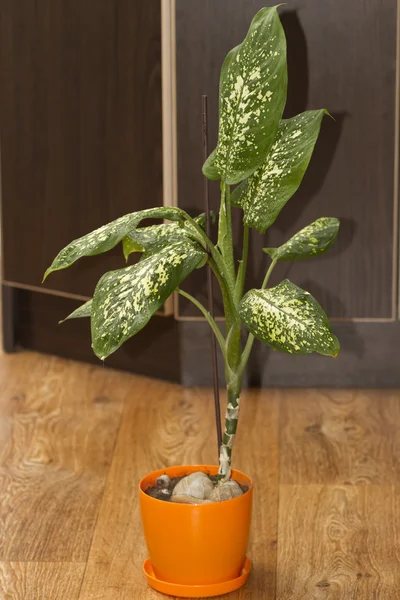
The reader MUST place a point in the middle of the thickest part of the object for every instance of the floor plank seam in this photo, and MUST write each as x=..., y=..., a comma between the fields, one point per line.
x=280, y=400
x=42, y=562
x=102, y=495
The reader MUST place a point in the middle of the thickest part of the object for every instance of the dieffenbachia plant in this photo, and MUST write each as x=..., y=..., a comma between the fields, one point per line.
x=266, y=157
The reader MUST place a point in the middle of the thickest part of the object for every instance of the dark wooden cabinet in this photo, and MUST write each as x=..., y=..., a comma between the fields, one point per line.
x=82, y=143
x=81, y=128
x=343, y=56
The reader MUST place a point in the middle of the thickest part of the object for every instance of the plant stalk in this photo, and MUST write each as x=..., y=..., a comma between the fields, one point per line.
x=234, y=386
x=234, y=375
x=225, y=239
x=215, y=253
x=228, y=438
x=229, y=307
x=241, y=276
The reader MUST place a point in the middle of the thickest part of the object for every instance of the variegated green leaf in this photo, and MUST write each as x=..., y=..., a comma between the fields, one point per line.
x=309, y=241
x=85, y=310
x=108, y=236
x=130, y=245
x=152, y=239
x=274, y=183
x=125, y=300
x=209, y=168
x=288, y=319
x=238, y=193
x=253, y=87
x=148, y=239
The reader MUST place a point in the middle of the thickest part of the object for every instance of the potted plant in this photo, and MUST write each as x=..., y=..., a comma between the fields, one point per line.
x=197, y=518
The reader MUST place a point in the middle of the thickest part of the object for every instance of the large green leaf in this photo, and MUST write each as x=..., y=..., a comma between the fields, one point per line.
x=274, y=183
x=152, y=239
x=310, y=241
x=288, y=319
x=85, y=310
x=108, y=236
x=253, y=87
x=210, y=169
x=125, y=300
x=238, y=194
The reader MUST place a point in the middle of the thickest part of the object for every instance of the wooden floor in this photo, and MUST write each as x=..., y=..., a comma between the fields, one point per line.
x=74, y=441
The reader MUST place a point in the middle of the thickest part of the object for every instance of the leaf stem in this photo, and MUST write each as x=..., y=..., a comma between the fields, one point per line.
x=210, y=319
x=230, y=259
x=226, y=295
x=268, y=274
x=241, y=276
x=230, y=311
x=225, y=240
x=215, y=253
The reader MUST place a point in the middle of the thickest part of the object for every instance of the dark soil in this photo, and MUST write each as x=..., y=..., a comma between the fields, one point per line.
x=163, y=492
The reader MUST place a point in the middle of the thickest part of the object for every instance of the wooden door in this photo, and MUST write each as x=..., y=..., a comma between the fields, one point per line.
x=343, y=56
x=81, y=142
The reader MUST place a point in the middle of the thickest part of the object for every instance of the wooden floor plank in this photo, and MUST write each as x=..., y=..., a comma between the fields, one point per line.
x=165, y=426
x=69, y=468
x=340, y=436
x=40, y=581
x=58, y=425
x=339, y=542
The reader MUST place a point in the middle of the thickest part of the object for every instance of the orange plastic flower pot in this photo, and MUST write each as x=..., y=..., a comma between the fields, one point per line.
x=201, y=545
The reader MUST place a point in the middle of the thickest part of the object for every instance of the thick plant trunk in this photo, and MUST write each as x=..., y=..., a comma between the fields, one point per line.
x=234, y=386
x=228, y=439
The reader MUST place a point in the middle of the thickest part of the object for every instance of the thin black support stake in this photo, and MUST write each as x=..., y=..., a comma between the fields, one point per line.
x=210, y=291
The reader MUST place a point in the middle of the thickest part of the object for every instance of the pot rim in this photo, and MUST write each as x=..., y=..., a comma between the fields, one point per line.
x=181, y=505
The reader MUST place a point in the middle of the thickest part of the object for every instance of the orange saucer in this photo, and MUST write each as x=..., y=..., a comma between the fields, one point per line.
x=196, y=591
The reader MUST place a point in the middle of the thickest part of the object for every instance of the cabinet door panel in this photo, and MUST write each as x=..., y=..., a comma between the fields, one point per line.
x=80, y=128
x=81, y=141
x=342, y=56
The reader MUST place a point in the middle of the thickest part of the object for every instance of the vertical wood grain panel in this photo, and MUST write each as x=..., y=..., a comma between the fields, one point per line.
x=81, y=138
